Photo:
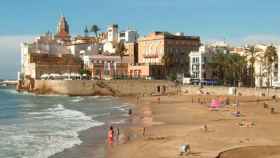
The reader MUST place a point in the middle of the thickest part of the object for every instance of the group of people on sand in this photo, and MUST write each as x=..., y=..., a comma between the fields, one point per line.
x=114, y=134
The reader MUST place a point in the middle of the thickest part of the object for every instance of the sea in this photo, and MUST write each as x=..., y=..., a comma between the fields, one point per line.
x=33, y=126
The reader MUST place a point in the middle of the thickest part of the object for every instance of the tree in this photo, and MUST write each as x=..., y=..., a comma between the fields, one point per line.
x=85, y=72
x=252, y=58
x=95, y=30
x=219, y=65
x=270, y=57
x=237, y=66
x=229, y=66
x=121, y=50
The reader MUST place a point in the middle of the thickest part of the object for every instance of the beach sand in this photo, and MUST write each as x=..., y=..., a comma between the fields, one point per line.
x=178, y=120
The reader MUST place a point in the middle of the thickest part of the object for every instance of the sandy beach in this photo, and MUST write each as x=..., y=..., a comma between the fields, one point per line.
x=177, y=120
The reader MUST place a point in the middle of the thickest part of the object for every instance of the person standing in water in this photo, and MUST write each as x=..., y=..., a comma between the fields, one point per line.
x=111, y=135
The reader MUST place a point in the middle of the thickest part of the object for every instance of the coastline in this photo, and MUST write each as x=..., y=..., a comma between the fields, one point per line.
x=177, y=120
x=94, y=145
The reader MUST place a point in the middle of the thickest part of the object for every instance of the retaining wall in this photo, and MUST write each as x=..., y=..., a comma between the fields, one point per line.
x=113, y=87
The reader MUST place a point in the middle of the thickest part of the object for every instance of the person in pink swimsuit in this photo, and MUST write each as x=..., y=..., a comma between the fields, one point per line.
x=111, y=135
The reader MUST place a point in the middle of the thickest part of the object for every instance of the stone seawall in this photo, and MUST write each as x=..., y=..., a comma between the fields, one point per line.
x=131, y=88
x=113, y=87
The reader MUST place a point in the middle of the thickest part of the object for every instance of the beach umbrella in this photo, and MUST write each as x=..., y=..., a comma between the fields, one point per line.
x=57, y=75
x=45, y=76
x=67, y=75
x=216, y=103
x=72, y=74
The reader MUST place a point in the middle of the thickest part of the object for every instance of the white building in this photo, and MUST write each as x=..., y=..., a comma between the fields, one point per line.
x=199, y=69
x=45, y=44
x=109, y=46
x=128, y=36
x=114, y=37
x=79, y=46
x=113, y=33
x=276, y=70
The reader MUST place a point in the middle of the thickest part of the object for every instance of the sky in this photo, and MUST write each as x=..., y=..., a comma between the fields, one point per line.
x=235, y=21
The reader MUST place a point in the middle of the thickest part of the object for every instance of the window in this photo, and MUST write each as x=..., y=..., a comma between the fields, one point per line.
x=196, y=60
x=203, y=66
x=195, y=75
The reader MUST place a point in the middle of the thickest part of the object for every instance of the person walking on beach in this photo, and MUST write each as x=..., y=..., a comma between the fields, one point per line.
x=129, y=112
x=111, y=135
x=138, y=99
x=158, y=100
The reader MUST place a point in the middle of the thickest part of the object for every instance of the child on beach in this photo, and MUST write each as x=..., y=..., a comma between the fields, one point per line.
x=111, y=135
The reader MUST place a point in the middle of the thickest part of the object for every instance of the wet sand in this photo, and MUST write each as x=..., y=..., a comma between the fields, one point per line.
x=178, y=120
x=92, y=146
x=94, y=143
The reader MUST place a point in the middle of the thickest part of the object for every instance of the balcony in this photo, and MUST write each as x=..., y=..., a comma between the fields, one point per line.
x=151, y=56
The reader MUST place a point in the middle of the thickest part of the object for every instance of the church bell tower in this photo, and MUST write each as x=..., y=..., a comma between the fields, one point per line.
x=63, y=33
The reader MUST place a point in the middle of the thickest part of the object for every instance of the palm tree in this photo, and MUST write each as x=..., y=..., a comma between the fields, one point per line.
x=219, y=65
x=230, y=67
x=237, y=66
x=252, y=60
x=95, y=30
x=270, y=56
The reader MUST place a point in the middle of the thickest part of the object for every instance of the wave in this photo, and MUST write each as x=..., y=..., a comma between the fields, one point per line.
x=101, y=115
x=77, y=99
x=104, y=98
x=118, y=122
x=123, y=107
x=44, y=133
x=24, y=93
x=15, y=92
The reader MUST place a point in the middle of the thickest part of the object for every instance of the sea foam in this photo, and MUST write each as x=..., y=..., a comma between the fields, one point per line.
x=46, y=132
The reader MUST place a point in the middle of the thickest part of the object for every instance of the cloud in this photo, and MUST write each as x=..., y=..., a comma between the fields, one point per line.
x=10, y=55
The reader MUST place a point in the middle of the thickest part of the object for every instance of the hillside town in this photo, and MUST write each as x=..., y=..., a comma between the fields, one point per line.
x=115, y=54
